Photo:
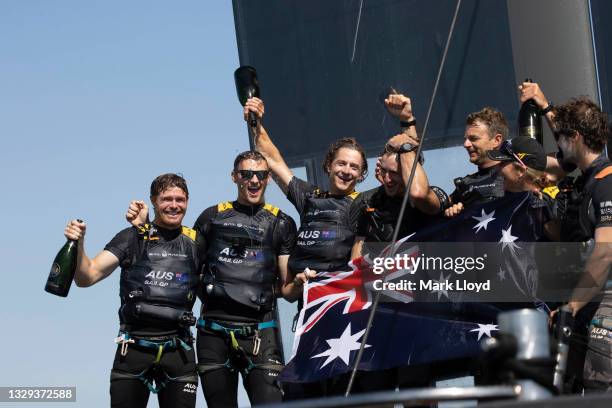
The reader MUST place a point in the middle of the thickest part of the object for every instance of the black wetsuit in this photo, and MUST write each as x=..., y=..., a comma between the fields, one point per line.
x=590, y=207
x=325, y=237
x=324, y=242
x=159, y=268
x=478, y=188
x=378, y=215
x=237, y=330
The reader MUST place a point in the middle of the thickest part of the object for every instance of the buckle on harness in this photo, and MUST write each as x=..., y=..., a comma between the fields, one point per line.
x=256, y=343
x=124, y=339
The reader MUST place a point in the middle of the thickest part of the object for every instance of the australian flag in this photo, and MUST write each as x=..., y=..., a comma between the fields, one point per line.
x=405, y=332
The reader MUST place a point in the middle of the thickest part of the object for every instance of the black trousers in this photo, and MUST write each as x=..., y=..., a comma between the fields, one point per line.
x=176, y=370
x=219, y=364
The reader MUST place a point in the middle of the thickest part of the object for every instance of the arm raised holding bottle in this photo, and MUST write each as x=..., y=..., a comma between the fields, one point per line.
x=281, y=172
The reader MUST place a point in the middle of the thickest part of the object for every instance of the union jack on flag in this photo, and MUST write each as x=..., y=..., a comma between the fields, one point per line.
x=333, y=320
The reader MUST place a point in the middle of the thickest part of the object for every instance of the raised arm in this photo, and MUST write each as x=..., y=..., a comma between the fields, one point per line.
x=89, y=271
x=421, y=195
x=531, y=90
x=281, y=172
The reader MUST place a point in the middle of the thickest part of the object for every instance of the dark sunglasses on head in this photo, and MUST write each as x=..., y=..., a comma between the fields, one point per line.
x=248, y=174
x=506, y=148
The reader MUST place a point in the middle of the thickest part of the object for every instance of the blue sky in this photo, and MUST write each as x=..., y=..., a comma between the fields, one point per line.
x=98, y=98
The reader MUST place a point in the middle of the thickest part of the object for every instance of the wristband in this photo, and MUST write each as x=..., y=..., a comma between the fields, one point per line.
x=407, y=148
x=547, y=109
x=408, y=124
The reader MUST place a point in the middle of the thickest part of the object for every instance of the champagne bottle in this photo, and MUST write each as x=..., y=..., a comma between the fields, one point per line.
x=63, y=269
x=529, y=120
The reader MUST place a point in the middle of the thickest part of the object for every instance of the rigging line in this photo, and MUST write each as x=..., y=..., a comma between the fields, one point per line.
x=405, y=200
x=356, y=31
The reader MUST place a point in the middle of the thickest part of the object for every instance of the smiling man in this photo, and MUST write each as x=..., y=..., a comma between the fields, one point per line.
x=484, y=130
x=379, y=208
x=325, y=235
x=159, y=278
x=245, y=267
x=378, y=211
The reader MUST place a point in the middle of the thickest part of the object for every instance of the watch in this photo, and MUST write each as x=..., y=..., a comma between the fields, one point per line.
x=407, y=148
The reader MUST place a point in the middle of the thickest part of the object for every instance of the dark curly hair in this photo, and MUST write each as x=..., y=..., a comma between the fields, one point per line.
x=493, y=119
x=584, y=116
x=349, y=143
x=166, y=181
x=249, y=155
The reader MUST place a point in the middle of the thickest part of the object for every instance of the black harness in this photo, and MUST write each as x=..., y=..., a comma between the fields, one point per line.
x=241, y=261
x=325, y=237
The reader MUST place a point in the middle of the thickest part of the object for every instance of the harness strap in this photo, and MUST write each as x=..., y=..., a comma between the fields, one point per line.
x=235, y=344
x=124, y=339
x=242, y=330
x=206, y=367
x=147, y=378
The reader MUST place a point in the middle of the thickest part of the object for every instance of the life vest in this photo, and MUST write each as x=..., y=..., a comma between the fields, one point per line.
x=578, y=224
x=479, y=188
x=160, y=285
x=241, y=261
x=325, y=237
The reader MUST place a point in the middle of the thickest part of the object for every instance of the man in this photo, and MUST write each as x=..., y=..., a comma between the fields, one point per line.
x=522, y=166
x=245, y=270
x=159, y=277
x=378, y=213
x=581, y=134
x=246, y=262
x=325, y=236
x=522, y=162
x=379, y=208
x=485, y=130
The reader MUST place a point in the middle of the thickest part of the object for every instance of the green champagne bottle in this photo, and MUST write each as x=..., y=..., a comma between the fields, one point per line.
x=530, y=121
x=63, y=269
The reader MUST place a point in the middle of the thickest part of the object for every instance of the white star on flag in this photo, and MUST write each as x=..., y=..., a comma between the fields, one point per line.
x=484, y=329
x=501, y=274
x=442, y=281
x=508, y=239
x=342, y=346
x=483, y=220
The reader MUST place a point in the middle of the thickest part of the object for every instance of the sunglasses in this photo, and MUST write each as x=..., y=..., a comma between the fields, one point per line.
x=248, y=174
x=506, y=148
